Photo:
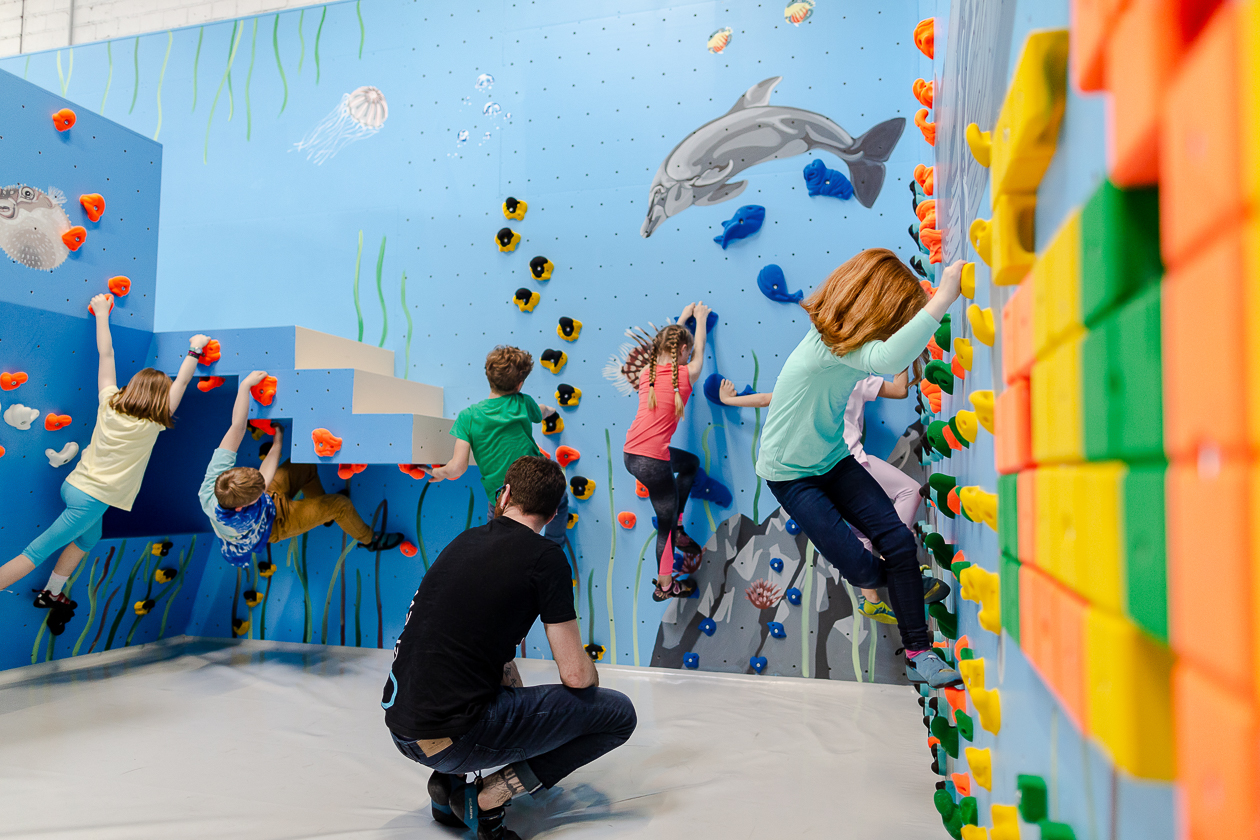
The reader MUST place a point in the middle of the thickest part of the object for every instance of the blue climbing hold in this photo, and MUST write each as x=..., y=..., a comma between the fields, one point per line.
x=793, y=596
x=746, y=221
x=691, y=660
x=820, y=180
x=709, y=323
x=708, y=626
x=712, y=389
x=757, y=663
x=792, y=527
x=776, y=563
x=774, y=285
x=709, y=489
x=776, y=629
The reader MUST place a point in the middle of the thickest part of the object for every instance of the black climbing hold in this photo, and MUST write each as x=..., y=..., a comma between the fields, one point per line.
x=554, y=360
x=568, y=395
x=541, y=268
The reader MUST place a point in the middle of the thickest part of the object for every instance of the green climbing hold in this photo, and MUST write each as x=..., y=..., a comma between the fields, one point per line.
x=946, y=621
x=957, y=568
x=939, y=373
x=953, y=427
x=966, y=726
x=943, y=336
x=970, y=811
x=966, y=653
x=1033, y=799
x=942, y=482
x=942, y=552
x=947, y=734
x=1056, y=831
x=950, y=815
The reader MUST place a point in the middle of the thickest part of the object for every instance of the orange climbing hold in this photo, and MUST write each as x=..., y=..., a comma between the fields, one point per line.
x=209, y=383
x=640, y=490
x=932, y=239
x=925, y=208
x=928, y=128
x=626, y=519
x=925, y=37
x=566, y=455
x=957, y=699
x=951, y=499
x=962, y=783
x=926, y=177
x=408, y=548
x=261, y=424
x=75, y=237
x=9, y=381
x=119, y=286
x=265, y=391
x=924, y=91
x=933, y=393
x=64, y=119
x=55, y=422
x=934, y=349
x=345, y=471
x=93, y=205
x=111, y=306
x=416, y=471
x=326, y=443
x=210, y=353
x=927, y=288
x=956, y=367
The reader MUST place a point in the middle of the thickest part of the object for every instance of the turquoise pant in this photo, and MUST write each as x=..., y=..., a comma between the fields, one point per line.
x=79, y=523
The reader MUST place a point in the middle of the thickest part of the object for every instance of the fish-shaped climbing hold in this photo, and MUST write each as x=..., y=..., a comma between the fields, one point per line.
x=506, y=239
x=552, y=424
x=567, y=395
x=206, y=384
x=924, y=91
x=64, y=119
x=514, y=208
x=573, y=520
x=326, y=443
x=240, y=626
x=569, y=329
x=566, y=455
x=928, y=128
x=346, y=471
x=819, y=180
x=925, y=37
x=56, y=422
x=525, y=299
x=93, y=206
x=746, y=221
x=211, y=353
x=627, y=519
x=9, y=381
x=541, y=268
x=165, y=574
x=416, y=471
x=59, y=458
x=982, y=326
x=581, y=486
x=798, y=12
x=774, y=286
x=719, y=40
x=926, y=178
x=252, y=597
x=554, y=360
x=265, y=391
x=144, y=607
x=74, y=238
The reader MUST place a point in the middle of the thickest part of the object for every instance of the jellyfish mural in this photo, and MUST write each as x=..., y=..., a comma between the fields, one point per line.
x=360, y=114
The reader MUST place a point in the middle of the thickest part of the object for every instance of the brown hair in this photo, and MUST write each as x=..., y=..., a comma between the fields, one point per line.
x=868, y=298
x=537, y=485
x=671, y=340
x=238, y=487
x=146, y=397
x=507, y=367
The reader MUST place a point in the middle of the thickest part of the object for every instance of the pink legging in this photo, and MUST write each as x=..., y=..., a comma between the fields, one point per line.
x=901, y=489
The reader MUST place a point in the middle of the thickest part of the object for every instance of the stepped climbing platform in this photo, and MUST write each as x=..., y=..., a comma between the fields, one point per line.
x=327, y=382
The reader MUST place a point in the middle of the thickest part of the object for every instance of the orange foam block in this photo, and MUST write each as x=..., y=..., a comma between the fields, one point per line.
x=1092, y=21
x=1052, y=636
x=1025, y=489
x=1012, y=415
x=1017, y=334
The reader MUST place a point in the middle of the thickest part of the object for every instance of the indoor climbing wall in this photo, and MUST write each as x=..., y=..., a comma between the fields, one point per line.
x=1100, y=542
x=347, y=169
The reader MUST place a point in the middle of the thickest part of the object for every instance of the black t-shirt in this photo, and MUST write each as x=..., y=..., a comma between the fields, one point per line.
x=473, y=607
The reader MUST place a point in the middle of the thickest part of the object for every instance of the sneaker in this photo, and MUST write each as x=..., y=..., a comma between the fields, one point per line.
x=934, y=589
x=928, y=668
x=878, y=611
x=61, y=610
x=383, y=542
x=678, y=588
x=490, y=825
x=440, y=788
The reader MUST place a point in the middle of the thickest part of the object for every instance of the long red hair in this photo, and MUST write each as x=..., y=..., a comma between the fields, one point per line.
x=869, y=298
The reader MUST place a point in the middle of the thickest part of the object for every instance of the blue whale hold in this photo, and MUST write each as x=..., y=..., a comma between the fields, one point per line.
x=746, y=221
x=820, y=180
x=709, y=323
x=706, y=488
x=712, y=392
x=774, y=286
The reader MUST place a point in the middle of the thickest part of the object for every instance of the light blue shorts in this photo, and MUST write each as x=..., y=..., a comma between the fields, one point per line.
x=79, y=523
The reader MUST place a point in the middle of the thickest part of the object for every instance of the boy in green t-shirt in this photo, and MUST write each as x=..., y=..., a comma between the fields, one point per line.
x=499, y=429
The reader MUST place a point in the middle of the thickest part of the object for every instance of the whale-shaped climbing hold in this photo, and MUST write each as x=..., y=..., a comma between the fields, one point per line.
x=708, y=626
x=56, y=422
x=569, y=329
x=793, y=596
x=506, y=239
x=554, y=360
x=206, y=384
x=9, y=381
x=64, y=119
x=514, y=208
x=627, y=519
x=93, y=206
x=59, y=458
x=211, y=353
x=119, y=286
x=581, y=486
x=819, y=180
x=326, y=443
x=709, y=489
x=265, y=391
x=566, y=455
x=709, y=323
x=346, y=471
x=541, y=268
x=567, y=395
x=75, y=237
x=20, y=416
x=774, y=286
x=757, y=663
x=691, y=660
x=792, y=527
x=746, y=221
x=525, y=299
x=776, y=629
x=713, y=386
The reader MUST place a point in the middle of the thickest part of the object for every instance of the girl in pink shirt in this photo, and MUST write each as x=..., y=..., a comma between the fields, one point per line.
x=666, y=472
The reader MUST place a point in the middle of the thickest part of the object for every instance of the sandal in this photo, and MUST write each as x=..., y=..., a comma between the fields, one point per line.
x=678, y=588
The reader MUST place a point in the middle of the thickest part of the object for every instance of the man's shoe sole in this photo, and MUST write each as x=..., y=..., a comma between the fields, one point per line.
x=441, y=797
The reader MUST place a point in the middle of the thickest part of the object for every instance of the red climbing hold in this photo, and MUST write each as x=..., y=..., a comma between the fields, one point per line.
x=924, y=91
x=928, y=128
x=326, y=443
x=925, y=37
x=210, y=353
x=566, y=455
x=261, y=424
x=75, y=237
x=416, y=471
x=111, y=305
x=264, y=391
x=626, y=519
x=119, y=286
x=55, y=422
x=93, y=205
x=640, y=490
x=408, y=548
x=345, y=471
x=64, y=119
x=9, y=381
x=209, y=383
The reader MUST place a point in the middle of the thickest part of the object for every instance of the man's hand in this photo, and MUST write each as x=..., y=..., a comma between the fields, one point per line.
x=198, y=342
x=253, y=379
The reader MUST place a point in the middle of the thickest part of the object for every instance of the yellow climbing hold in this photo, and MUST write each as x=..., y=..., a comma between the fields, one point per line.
x=1005, y=822
x=980, y=505
x=980, y=762
x=967, y=424
x=974, y=832
x=983, y=402
x=982, y=326
x=969, y=282
x=963, y=352
x=983, y=587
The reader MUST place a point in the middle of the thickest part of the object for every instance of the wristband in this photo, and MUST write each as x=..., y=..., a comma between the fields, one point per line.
x=196, y=354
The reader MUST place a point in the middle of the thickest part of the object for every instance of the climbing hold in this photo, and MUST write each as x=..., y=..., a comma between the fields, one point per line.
x=514, y=209
x=573, y=520
x=962, y=783
x=206, y=384
x=416, y=471
x=161, y=549
x=691, y=660
x=627, y=519
x=924, y=91
x=981, y=764
x=819, y=180
x=776, y=563
x=541, y=268
x=93, y=206
x=266, y=568
x=165, y=575
x=776, y=629
x=1005, y=822
x=506, y=239
x=980, y=143
x=64, y=456
x=947, y=734
x=963, y=352
x=595, y=652
x=262, y=424
x=713, y=389
x=525, y=299
x=967, y=424
x=581, y=486
x=265, y=391
x=926, y=211
x=946, y=622
x=326, y=443
x=210, y=353
x=10, y=381
x=346, y=471
x=74, y=238
x=974, y=832
x=144, y=607
x=757, y=663
x=569, y=329
x=945, y=806
x=56, y=422
x=119, y=286
x=981, y=506
x=932, y=392
x=925, y=177
x=566, y=455
x=966, y=726
x=707, y=488
x=969, y=809
x=933, y=240
x=983, y=402
x=64, y=119
x=791, y=527
x=939, y=374
x=793, y=596
x=567, y=395
x=709, y=323
x=928, y=128
x=553, y=360
x=708, y=626
x=925, y=37
x=240, y=626
x=552, y=424
x=1033, y=798
x=408, y=548
x=252, y=597
x=773, y=285
x=984, y=588
x=641, y=491
x=19, y=416
x=968, y=281
x=1056, y=831
x=982, y=326
x=746, y=221
x=916, y=262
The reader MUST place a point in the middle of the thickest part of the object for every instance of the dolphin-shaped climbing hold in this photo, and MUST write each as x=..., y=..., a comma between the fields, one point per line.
x=699, y=169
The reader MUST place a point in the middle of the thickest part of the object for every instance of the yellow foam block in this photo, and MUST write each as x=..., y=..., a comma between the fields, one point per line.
x=974, y=832
x=980, y=504
x=1005, y=822
x=1005, y=242
x=983, y=402
x=1129, y=694
x=1056, y=279
x=982, y=587
x=980, y=762
x=1057, y=407
x=1249, y=53
x=1097, y=501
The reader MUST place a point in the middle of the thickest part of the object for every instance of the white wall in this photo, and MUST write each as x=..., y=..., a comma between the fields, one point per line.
x=33, y=25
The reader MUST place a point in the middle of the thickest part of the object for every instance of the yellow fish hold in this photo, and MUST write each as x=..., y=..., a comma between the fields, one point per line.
x=553, y=425
x=984, y=405
x=569, y=329
x=567, y=395
x=514, y=209
x=506, y=239
x=240, y=626
x=252, y=597
x=144, y=607
x=573, y=520
x=982, y=326
x=595, y=652
x=541, y=268
x=165, y=575
x=525, y=299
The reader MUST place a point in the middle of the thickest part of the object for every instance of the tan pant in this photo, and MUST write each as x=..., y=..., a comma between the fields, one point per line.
x=315, y=508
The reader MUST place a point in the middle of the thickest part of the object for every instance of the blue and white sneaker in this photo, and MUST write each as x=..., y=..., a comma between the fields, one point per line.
x=928, y=668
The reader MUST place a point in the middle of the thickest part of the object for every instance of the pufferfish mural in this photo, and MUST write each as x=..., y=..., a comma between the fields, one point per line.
x=32, y=223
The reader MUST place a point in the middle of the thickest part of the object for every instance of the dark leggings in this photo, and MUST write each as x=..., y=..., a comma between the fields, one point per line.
x=668, y=496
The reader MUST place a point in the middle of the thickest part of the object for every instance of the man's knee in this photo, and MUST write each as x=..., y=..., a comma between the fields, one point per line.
x=621, y=712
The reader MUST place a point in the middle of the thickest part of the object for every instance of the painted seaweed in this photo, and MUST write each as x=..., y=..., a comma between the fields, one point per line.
x=94, y=590
x=407, y=314
x=135, y=88
x=249, y=75
x=318, y=32
x=612, y=552
x=201, y=34
x=380, y=293
x=237, y=31
x=170, y=39
x=275, y=44
x=185, y=558
x=126, y=601
x=634, y=613
x=323, y=630
x=109, y=76
x=358, y=261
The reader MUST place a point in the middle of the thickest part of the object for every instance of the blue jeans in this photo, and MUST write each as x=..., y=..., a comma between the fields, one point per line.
x=544, y=731
x=79, y=523
x=823, y=505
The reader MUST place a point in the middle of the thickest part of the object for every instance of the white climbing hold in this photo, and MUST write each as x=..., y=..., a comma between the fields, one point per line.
x=19, y=416
x=65, y=456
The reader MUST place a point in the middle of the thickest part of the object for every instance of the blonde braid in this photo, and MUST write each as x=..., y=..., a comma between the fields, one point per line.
x=652, y=354
x=678, y=403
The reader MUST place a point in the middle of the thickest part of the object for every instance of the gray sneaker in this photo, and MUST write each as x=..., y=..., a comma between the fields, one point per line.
x=929, y=668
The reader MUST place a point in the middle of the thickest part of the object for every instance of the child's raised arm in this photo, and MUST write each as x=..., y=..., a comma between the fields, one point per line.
x=702, y=328
x=726, y=393
x=240, y=412
x=272, y=462
x=898, y=389
x=187, y=368
x=454, y=468
x=106, y=376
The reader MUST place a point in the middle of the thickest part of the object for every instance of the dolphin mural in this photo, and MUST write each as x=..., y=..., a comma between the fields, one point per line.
x=699, y=169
